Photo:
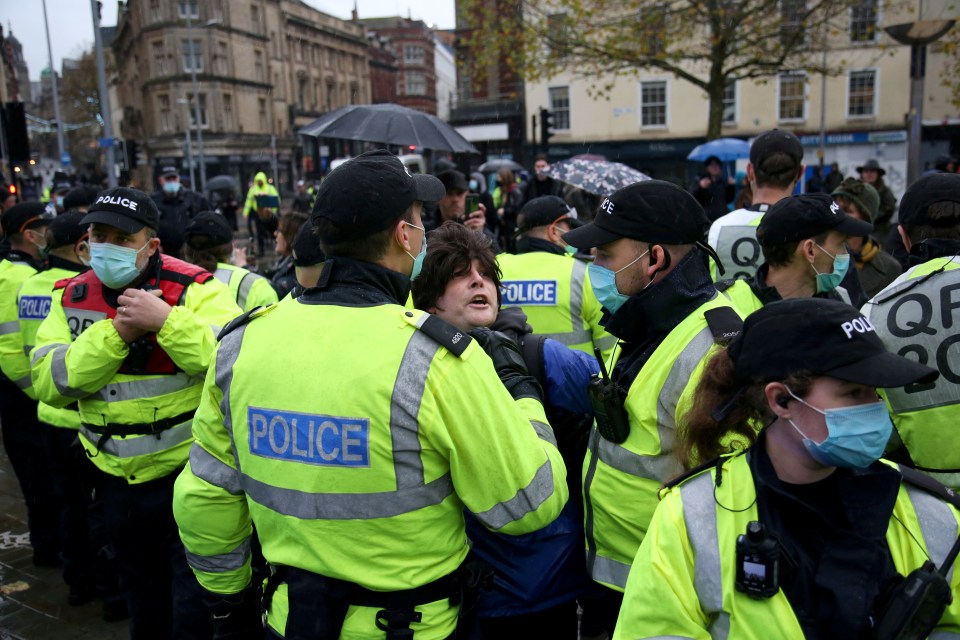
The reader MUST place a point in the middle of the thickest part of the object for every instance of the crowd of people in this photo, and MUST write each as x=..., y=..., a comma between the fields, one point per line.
x=526, y=412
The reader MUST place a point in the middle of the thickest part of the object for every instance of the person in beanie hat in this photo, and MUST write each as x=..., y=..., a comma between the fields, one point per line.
x=748, y=544
x=652, y=278
x=128, y=341
x=872, y=173
x=877, y=267
x=382, y=449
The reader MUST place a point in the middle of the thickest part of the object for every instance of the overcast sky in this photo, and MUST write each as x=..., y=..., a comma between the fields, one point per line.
x=71, y=22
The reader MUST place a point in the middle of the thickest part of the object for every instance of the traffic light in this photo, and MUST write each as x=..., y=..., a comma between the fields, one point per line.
x=546, y=130
x=132, y=149
x=15, y=131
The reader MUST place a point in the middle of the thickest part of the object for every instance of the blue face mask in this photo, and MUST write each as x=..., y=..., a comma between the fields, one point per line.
x=59, y=201
x=830, y=281
x=603, y=281
x=418, y=259
x=171, y=188
x=473, y=185
x=114, y=266
x=856, y=436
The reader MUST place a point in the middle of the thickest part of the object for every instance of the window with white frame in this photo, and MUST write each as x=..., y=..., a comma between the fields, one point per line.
x=653, y=103
x=188, y=8
x=862, y=93
x=413, y=54
x=560, y=107
x=792, y=16
x=730, y=103
x=559, y=26
x=863, y=21
x=792, y=92
x=192, y=57
x=416, y=84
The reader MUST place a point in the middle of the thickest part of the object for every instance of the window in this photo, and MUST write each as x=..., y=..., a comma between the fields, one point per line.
x=653, y=103
x=653, y=29
x=192, y=57
x=263, y=114
x=730, y=103
x=227, y=112
x=203, y=112
x=189, y=8
x=560, y=107
x=302, y=93
x=155, y=13
x=331, y=89
x=222, y=56
x=255, y=24
x=258, y=65
x=792, y=87
x=559, y=26
x=159, y=58
x=416, y=84
x=413, y=54
x=792, y=14
x=863, y=21
x=163, y=102
x=862, y=93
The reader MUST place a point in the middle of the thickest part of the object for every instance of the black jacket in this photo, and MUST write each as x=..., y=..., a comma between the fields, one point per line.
x=175, y=214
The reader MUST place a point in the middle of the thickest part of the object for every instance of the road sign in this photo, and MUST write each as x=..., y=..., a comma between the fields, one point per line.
x=106, y=142
x=64, y=158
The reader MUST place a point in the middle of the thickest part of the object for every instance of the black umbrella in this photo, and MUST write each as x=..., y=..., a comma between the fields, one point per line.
x=222, y=183
x=389, y=124
x=492, y=166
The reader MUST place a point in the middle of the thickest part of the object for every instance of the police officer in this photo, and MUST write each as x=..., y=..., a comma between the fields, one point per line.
x=805, y=533
x=308, y=259
x=355, y=476
x=129, y=341
x=80, y=198
x=917, y=315
x=209, y=244
x=263, y=218
x=803, y=243
x=24, y=226
x=651, y=276
x=177, y=207
x=551, y=287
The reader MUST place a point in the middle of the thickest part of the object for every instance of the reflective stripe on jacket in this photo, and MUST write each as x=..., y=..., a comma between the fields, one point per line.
x=249, y=289
x=13, y=362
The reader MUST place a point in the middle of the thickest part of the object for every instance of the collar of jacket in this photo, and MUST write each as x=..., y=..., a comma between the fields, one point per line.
x=527, y=244
x=19, y=256
x=513, y=322
x=56, y=262
x=758, y=284
x=666, y=303
x=933, y=248
x=356, y=283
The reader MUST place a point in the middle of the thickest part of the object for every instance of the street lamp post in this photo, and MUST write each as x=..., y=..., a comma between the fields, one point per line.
x=104, y=97
x=56, y=95
x=196, y=102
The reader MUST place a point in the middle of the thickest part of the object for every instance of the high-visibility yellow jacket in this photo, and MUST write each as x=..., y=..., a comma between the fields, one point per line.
x=554, y=292
x=14, y=271
x=358, y=465
x=84, y=367
x=250, y=290
x=682, y=584
x=250, y=205
x=918, y=316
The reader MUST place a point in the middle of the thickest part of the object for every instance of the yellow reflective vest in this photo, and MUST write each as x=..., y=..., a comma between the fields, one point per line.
x=555, y=294
x=34, y=302
x=83, y=367
x=14, y=271
x=918, y=316
x=682, y=584
x=250, y=290
x=620, y=481
x=250, y=205
x=353, y=441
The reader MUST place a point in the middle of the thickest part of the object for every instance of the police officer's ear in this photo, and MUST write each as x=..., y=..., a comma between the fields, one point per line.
x=778, y=399
x=82, y=249
x=659, y=258
x=403, y=236
x=807, y=249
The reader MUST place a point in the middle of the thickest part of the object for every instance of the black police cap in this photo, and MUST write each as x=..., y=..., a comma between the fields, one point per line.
x=542, y=211
x=775, y=141
x=26, y=215
x=929, y=189
x=306, y=247
x=126, y=209
x=66, y=230
x=208, y=229
x=82, y=196
x=804, y=216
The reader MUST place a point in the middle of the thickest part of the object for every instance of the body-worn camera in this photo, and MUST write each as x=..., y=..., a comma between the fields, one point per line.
x=607, y=398
x=758, y=562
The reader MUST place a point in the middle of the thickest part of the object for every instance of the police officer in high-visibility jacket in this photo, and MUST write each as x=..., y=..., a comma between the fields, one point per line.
x=208, y=243
x=917, y=315
x=805, y=534
x=552, y=287
x=129, y=342
x=651, y=275
x=24, y=224
x=68, y=253
x=352, y=432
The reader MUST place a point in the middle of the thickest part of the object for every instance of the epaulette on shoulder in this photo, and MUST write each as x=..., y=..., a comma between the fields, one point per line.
x=243, y=319
x=723, y=285
x=724, y=322
x=928, y=484
x=441, y=331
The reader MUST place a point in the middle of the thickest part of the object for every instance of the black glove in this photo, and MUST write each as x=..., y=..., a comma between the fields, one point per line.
x=508, y=362
x=236, y=616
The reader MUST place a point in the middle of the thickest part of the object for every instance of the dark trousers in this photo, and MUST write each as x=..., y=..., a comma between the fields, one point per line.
x=559, y=623
x=601, y=608
x=72, y=477
x=25, y=444
x=163, y=596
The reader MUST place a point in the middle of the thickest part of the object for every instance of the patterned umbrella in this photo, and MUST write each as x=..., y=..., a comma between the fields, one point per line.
x=601, y=177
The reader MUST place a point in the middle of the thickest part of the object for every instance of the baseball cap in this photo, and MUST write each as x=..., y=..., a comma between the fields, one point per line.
x=823, y=337
x=208, y=229
x=651, y=211
x=539, y=212
x=306, y=247
x=126, y=209
x=169, y=170
x=861, y=194
x=82, y=196
x=928, y=190
x=26, y=215
x=65, y=229
x=61, y=187
x=369, y=193
x=775, y=141
x=453, y=180
x=805, y=216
